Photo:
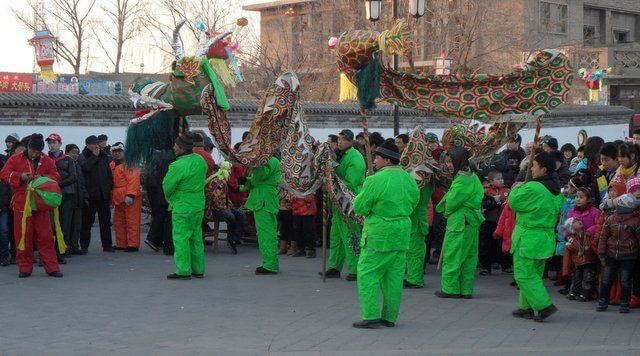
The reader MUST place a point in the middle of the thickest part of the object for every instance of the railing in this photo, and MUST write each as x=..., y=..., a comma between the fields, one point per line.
x=624, y=61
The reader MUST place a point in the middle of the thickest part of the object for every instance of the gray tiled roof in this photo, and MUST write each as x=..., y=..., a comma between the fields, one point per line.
x=102, y=102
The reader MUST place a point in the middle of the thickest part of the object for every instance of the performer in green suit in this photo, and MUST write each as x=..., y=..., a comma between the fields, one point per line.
x=417, y=245
x=183, y=188
x=351, y=170
x=536, y=204
x=462, y=208
x=263, y=201
x=387, y=199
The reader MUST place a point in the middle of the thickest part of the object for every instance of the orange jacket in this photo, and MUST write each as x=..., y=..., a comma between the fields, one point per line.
x=125, y=182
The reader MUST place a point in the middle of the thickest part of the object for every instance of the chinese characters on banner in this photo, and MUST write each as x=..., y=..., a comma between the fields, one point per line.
x=16, y=83
x=63, y=84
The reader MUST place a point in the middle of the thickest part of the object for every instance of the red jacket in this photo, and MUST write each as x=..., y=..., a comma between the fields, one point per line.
x=19, y=163
x=125, y=182
x=207, y=157
x=580, y=250
x=506, y=224
x=304, y=207
x=235, y=195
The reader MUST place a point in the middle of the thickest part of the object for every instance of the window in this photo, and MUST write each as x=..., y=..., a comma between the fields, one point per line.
x=589, y=35
x=553, y=17
x=621, y=36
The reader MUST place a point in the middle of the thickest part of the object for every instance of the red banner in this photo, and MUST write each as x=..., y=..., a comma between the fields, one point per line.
x=16, y=82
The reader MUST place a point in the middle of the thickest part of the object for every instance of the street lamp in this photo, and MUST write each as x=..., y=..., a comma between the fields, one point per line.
x=373, y=9
x=416, y=8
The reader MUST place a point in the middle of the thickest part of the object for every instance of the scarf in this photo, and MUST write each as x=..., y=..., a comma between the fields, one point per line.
x=628, y=172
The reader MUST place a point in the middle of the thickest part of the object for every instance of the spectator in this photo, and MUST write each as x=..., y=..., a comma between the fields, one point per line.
x=333, y=142
x=198, y=148
x=99, y=184
x=514, y=153
x=286, y=244
x=561, y=169
x=360, y=139
x=549, y=143
x=104, y=147
x=159, y=235
x=68, y=181
x=127, y=201
x=636, y=137
x=608, y=167
x=5, y=202
x=582, y=259
x=237, y=196
x=569, y=152
x=11, y=141
x=401, y=141
x=577, y=159
x=434, y=145
x=219, y=207
x=495, y=196
x=375, y=140
x=80, y=197
x=18, y=172
x=304, y=211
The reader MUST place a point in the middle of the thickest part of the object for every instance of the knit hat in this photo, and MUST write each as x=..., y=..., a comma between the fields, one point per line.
x=347, y=134
x=633, y=184
x=568, y=225
x=625, y=204
x=551, y=141
x=185, y=141
x=618, y=186
x=118, y=146
x=36, y=142
x=13, y=138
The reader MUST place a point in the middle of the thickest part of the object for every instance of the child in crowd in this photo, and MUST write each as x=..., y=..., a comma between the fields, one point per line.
x=504, y=230
x=580, y=180
x=495, y=196
x=618, y=251
x=580, y=256
x=584, y=211
x=304, y=211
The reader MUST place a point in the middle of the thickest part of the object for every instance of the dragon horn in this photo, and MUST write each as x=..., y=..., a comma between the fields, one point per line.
x=174, y=40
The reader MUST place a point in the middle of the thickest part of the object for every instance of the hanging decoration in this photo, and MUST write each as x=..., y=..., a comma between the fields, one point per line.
x=593, y=80
x=46, y=50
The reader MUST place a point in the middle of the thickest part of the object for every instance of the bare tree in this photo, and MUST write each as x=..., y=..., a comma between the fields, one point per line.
x=122, y=25
x=65, y=18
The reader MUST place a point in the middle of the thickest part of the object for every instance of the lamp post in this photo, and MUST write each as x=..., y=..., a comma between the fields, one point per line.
x=373, y=8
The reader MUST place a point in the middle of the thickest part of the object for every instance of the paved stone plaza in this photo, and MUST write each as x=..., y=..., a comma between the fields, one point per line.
x=122, y=304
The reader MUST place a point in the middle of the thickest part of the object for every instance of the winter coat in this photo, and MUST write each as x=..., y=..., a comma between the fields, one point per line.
x=536, y=204
x=567, y=204
x=5, y=189
x=351, y=170
x=97, y=174
x=490, y=206
x=461, y=205
x=263, y=187
x=183, y=185
x=126, y=182
x=67, y=170
x=504, y=230
x=386, y=200
x=236, y=196
x=579, y=251
x=153, y=180
x=81, y=187
x=588, y=217
x=304, y=207
x=217, y=197
x=620, y=237
x=20, y=163
x=207, y=158
x=603, y=178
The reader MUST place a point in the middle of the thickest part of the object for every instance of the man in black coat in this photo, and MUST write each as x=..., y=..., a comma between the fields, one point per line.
x=159, y=235
x=80, y=199
x=99, y=184
x=68, y=182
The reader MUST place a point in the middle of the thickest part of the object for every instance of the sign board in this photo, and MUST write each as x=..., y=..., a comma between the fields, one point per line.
x=64, y=84
x=16, y=83
x=99, y=87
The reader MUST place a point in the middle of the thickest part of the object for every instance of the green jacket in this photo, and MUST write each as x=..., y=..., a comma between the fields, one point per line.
x=536, y=212
x=183, y=185
x=352, y=169
x=462, y=203
x=420, y=215
x=263, y=187
x=386, y=200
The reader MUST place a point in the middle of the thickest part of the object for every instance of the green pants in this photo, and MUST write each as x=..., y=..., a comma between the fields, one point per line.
x=460, y=261
x=528, y=274
x=339, y=249
x=380, y=271
x=267, y=229
x=188, y=252
x=415, y=259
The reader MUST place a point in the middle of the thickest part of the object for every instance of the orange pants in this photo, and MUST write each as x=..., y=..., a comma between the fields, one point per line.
x=126, y=223
x=38, y=231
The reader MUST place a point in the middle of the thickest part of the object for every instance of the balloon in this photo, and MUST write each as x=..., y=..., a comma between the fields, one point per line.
x=242, y=22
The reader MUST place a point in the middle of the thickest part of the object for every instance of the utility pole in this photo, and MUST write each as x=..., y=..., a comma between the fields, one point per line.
x=396, y=118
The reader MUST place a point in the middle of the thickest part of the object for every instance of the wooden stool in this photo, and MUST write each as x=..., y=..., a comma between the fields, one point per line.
x=216, y=232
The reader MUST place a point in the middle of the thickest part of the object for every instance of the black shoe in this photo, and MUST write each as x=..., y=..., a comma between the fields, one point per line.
x=131, y=249
x=177, y=276
x=367, y=324
x=545, y=313
x=153, y=246
x=62, y=261
x=351, y=277
x=263, y=271
x=5, y=263
x=311, y=253
x=55, y=274
x=485, y=272
x=513, y=283
x=232, y=246
x=197, y=275
x=624, y=308
x=466, y=296
x=571, y=296
x=602, y=305
x=109, y=249
x=387, y=324
x=523, y=313
x=207, y=242
x=300, y=253
x=563, y=291
x=331, y=273
x=119, y=248
x=583, y=298
x=409, y=285
x=24, y=275
x=441, y=294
